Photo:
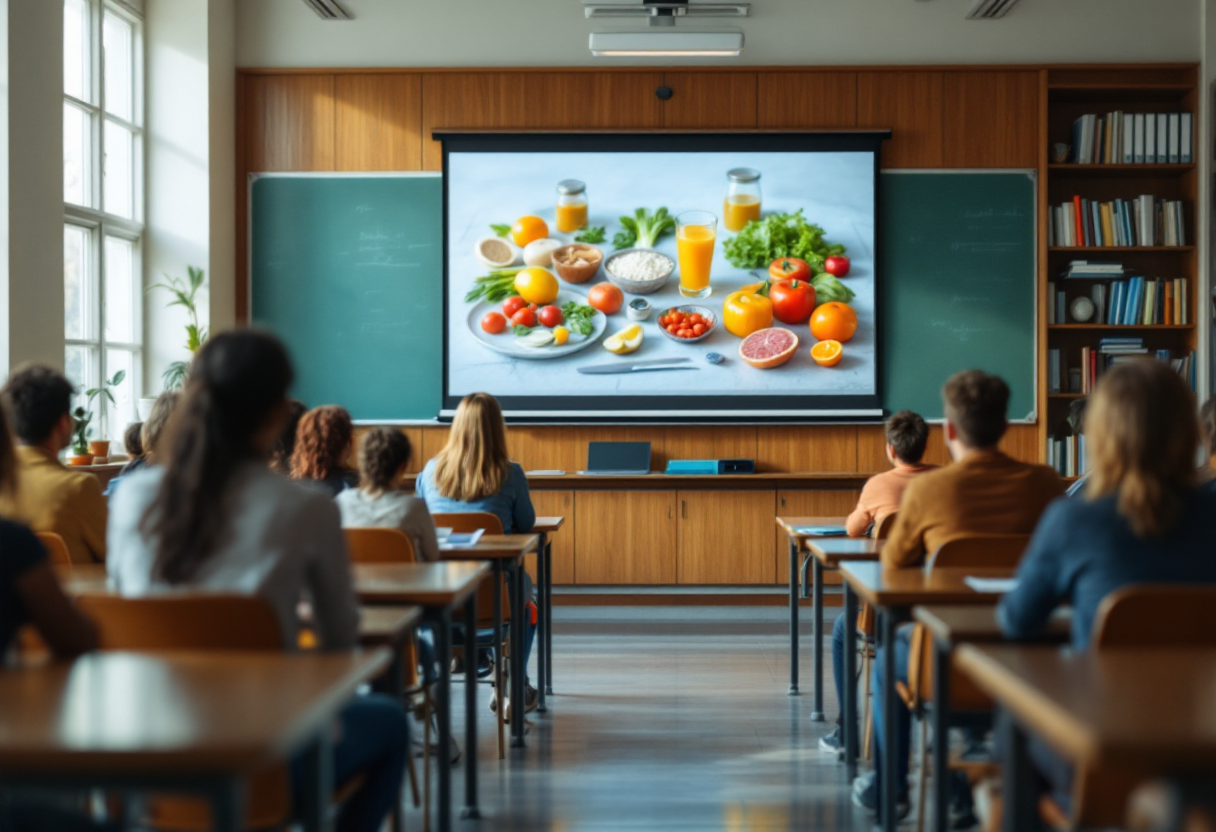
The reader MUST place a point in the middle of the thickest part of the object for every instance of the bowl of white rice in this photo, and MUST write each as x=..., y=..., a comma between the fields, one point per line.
x=639, y=271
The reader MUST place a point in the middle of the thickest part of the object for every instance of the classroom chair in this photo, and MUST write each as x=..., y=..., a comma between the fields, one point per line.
x=882, y=529
x=201, y=622
x=379, y=546
x=56, y=550
x=1169, y=805
x=1002, y=551
x=1148, y=617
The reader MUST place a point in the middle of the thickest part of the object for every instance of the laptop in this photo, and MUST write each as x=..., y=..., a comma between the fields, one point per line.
x=618, y=459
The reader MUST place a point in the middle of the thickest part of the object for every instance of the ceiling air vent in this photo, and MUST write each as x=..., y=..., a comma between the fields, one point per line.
x=990, y=9
x=330, y=9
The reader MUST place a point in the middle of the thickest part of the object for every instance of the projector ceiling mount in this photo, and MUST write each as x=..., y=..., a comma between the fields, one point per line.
x=662, y=12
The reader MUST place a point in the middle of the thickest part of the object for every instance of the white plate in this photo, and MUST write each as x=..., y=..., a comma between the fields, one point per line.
x=504, y=342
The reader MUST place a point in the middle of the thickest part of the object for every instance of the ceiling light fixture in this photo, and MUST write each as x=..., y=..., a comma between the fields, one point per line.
x=647, y=44
x=990, y=9
x=330, y=9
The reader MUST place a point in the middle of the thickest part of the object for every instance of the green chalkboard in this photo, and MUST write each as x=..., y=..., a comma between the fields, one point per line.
x=348, y=270
x=957, y=284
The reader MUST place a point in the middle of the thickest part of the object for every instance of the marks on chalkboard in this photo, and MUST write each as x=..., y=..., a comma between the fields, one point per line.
x=969, y=299
x=962, y=332
x=987, y=247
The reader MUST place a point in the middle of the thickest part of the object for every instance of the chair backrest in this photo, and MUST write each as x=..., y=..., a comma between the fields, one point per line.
x=469, y=521
x=379, y=545
x=981, y=550
x=1156, y=616
x=882, y=529
x=198, y=622
x=56, y=549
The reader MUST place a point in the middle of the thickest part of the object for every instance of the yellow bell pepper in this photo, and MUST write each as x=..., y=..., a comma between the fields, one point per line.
x=745, y=312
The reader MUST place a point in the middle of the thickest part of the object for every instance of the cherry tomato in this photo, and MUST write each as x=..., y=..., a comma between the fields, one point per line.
x=698, y=329
x=524, y=316
x=550, y=316
x=512, y=305
x=789, y=268
x=493, y=323
x=663, y=321
x=672, y=328
x=837, y=265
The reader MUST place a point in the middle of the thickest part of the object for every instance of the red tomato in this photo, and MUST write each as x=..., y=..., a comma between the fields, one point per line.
x=550, y=316
x=698, y=329
x=836, y=265
x=663, y=321
x=788, y=268
x=512, y=305
x=793, y=301
x=524, y=316
x=493, y=323
x=606, y=298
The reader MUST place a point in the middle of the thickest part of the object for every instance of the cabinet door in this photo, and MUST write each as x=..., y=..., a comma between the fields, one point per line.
x=625, y=537
x=710, y=99
x=725, y=537
x=809, y=504
x=558, y=503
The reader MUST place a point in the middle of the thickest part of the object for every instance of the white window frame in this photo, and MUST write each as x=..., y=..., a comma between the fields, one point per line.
x=100, y=223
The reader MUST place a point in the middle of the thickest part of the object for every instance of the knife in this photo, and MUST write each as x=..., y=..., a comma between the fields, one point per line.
x=639, y=366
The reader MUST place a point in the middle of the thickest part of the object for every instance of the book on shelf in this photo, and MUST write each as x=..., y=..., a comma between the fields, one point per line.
x=1143, y=221
x=1067, y=455
x=1093, y=269
x=1132, y=138
x=1093, y=364
x=1141, y=301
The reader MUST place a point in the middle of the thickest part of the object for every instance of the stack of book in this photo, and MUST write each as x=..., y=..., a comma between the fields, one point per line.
x=1144, y=221
x=1067, y=455
x=1093, y=269
x=1137, y=301
x=1110, y=353
x=1184, y=366
x=1121, y=138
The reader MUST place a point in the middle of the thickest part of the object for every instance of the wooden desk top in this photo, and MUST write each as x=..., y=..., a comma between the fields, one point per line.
x=432, y=585
x=384, y=626
x=789, y=525
x=658, y=481
x=882, y=587
x=548, y=524
x=954, y=625
x=1140, y=708
x=182, y=713
x=830, y=551
x=495, y=547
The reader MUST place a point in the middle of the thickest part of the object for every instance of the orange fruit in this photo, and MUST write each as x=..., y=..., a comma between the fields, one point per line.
x=527, y=229
x=833, y=321
x=827, y=353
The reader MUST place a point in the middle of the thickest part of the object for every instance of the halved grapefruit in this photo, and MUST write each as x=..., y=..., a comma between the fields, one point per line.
x=768, y=348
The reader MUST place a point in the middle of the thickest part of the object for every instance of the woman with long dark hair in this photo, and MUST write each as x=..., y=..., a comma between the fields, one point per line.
x=213, y=515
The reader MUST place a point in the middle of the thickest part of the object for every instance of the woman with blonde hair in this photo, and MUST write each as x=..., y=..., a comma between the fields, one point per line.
x=325, y=439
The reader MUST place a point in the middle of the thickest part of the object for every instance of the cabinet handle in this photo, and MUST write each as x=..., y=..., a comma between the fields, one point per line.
x=783, y=502
x=683, y=509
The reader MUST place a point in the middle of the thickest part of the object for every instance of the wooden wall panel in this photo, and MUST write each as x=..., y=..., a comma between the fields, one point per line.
x=991, y=119
x=290, y=122
x=700, y=442
x=724, y=537
x=808, y=504
x=806, y=448
x=546, y=448
x=625, y=537
x=910, y=103
x=807, y=99
x=1020, y=442
x=710, y=99
x=559, y=503
x=433, y=440
x=379, y=122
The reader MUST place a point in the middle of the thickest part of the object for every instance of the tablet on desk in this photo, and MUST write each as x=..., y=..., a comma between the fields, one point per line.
x=822, y=531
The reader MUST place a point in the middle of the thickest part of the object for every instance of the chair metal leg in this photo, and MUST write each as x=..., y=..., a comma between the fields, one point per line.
x=849, y=706
x=922, y=782
x=471, y=809
x=499, y=690
x=793, y=553
x=426, y=762
x=867, y=738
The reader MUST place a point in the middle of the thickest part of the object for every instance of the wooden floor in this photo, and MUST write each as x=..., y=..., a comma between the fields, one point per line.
x=667, y=719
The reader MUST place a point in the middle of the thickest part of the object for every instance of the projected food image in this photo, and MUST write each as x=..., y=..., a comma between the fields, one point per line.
x=665, y=274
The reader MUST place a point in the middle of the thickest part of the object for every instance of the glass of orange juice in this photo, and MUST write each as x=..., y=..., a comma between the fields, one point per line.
x=571, y=205
x=742, y=202
x=696, y=232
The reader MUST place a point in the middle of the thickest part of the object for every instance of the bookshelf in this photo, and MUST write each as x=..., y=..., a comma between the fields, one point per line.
x=1068, y=94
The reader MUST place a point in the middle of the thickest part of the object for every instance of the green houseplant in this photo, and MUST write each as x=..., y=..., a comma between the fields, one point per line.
x=184, y=293
x=83, y=450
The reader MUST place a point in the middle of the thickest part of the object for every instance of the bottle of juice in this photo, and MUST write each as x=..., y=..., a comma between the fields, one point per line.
x=571, y=205
x=695, y=235
x=742, y=202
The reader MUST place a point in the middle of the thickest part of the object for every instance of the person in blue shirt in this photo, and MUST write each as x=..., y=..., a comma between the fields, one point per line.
x=474, y=473
x=1144, y=518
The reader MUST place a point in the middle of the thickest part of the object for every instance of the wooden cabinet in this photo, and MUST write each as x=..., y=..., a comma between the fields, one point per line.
x=910, y=103
x=994, y=119
x=808, y=504
x=379, y=122
x=625, y=537
x=807, y=100
x=806, y=448
x=559, y=503
x=725, y=537
x=710, y=99
x=289, y=122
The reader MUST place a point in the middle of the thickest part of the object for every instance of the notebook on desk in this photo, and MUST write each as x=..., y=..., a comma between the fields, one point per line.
x=822, y=531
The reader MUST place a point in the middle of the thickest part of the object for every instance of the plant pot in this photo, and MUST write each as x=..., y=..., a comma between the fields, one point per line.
x=80, y=459
x=100, y=450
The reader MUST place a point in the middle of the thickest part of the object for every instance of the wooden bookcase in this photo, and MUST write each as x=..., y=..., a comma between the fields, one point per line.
x=1069, y=94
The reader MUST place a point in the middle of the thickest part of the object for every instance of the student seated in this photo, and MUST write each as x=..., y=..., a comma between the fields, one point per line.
x=212, y=515
x=50, y=497
x=134, y=448
x=325, y=439
x=474, y=473
x=150, y=433
x=285, y=445
x=983, y=492
x=379, y=502
x=1144, y=518
x=907, y=435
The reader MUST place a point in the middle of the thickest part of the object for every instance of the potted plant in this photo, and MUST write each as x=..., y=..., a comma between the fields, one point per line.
x=184, y=293
x=80, y=438
x=85, y=452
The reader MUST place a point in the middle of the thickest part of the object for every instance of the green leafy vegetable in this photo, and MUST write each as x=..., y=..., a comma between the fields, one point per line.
x=501, y=229
x=828, y=288
x=495, y=286
x=520, y=329
x=592, y=234
x=779, y=235
x=644, y=230
x=578, y=318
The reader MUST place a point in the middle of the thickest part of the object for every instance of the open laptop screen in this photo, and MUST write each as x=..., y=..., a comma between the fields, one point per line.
x=618, y=456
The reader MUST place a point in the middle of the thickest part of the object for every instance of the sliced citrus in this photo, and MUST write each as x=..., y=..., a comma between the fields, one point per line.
x=827, y=353
x=625, y=341
x=768, y=348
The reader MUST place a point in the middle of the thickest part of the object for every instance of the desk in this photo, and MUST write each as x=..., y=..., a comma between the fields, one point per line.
x=545, y=526
x=1102, y=705
x=892, y=592
x=439, y=588
x=814, y=546
x=950, y=627
x=505, y=552
x=194, y=722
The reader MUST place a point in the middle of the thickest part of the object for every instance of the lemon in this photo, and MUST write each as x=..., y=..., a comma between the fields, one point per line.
x=536, y=285
x=561, y=335
x=625, y=341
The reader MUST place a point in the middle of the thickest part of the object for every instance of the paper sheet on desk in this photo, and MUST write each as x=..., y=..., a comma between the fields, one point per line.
x=461, y=540
x=822, y=531
x=998, y=585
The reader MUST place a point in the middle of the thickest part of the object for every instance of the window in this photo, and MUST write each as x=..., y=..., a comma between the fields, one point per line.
x=103, y=202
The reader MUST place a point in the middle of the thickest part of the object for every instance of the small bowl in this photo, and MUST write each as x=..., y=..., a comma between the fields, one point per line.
x=638, y=287
x=703, y=311
x=578, y=274
x=638, y=309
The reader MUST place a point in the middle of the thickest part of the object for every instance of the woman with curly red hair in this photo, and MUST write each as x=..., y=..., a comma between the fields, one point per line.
x=324, y=441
